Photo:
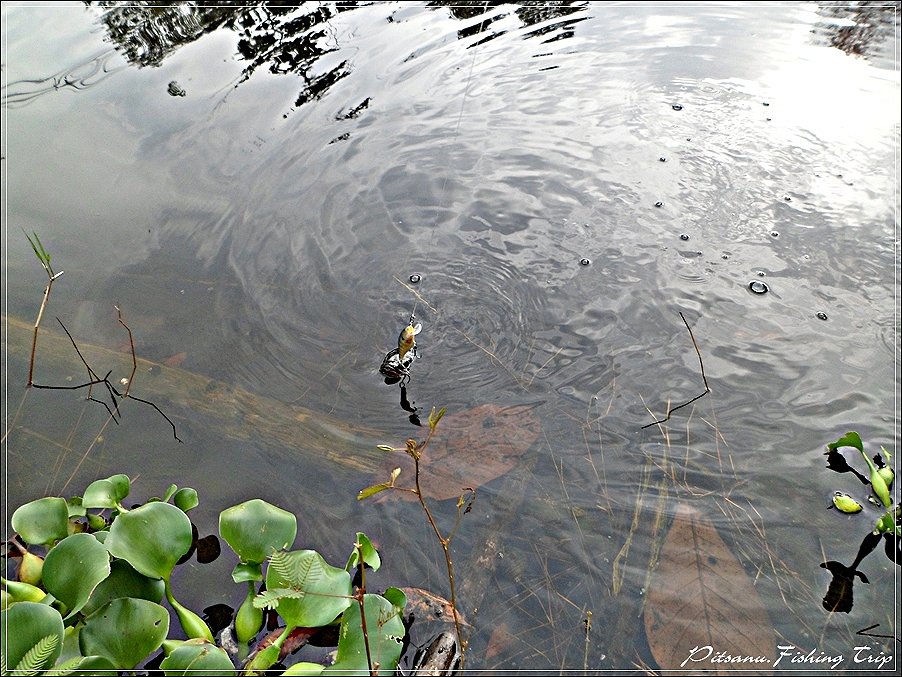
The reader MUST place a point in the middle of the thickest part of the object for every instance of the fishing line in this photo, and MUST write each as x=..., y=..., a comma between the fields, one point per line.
x=428, y=257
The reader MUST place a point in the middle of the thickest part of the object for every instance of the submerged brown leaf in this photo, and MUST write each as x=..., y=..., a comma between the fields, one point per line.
x=701, y=603
x=469, y=449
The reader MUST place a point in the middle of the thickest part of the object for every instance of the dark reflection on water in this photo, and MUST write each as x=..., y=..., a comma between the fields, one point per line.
x=295, y=38
x=488, y=149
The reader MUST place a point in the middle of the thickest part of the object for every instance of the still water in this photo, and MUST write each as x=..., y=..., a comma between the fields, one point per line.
x=268, y=194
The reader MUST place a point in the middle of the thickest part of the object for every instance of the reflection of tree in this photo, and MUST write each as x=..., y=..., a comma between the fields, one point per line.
x=864, y=28
x=530, y=13
x=287, y=37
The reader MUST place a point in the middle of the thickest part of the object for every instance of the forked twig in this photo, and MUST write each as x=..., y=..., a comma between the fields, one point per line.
x=701, y=365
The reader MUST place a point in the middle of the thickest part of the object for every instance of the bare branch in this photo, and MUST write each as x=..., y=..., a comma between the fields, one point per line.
x=701, y=365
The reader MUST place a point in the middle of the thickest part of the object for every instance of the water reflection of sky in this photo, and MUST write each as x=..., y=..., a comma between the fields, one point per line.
x=259, y=224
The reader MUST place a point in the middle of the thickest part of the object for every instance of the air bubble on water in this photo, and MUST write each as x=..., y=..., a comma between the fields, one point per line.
x=787, y=198
x=725, y=256
x=684, y=237
x=676, y=106
x=584, y=262
x=659, y=204
x=662, y=159
x=774, y=233
x=760, y=273
x=758, y=287
x=822, y=316
x=415, y=279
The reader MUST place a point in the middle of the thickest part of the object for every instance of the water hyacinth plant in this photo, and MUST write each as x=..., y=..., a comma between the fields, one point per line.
x=95, y=579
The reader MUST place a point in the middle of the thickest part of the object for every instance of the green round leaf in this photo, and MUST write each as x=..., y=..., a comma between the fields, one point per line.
x=108, y=493
x=370, y=554
x=126, y=631
x=152, y=538
x=185, y=499
x=247, y=571
x=255, y=529
x=74, y=568
x=42, y=521
x=34, y=623
x=307, y=591
x=306, y=668
x=197, y=655
x=384, y=630
x=124, y=581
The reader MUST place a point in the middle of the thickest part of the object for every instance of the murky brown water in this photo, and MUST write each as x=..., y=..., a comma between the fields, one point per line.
x=262, y=230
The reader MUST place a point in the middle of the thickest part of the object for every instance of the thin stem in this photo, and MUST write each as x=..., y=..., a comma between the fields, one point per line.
x=361, y=592
x=37, y=322
x=444, y=542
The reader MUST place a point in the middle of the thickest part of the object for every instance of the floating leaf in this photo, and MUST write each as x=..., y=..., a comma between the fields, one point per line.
x=152, y=538
x=385, y=633
x=700, y=596
x=471, y=448
x=850, y=439
x=326, y=589
x=197, y=656
x=126, y=631
x=124, y=581
x=370, y=554
x=74, y=568
x=185, y=499
x=255, y=528
x=42, y=521
x=107, y=493
x=33, y=623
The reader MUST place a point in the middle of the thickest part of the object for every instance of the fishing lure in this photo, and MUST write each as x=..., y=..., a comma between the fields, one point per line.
x=396, y=363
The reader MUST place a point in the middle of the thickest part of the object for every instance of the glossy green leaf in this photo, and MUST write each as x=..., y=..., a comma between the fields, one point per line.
x=385, y=633
x=107, y=493
x=850, y=439
x=32, y=623
x=845, y=503
x=382, y=486
x=124, y=581
x=305, y=668
x=247, y=571
x=255, y=529
x=76, y=507
x=84, y=665
x=74, y=568
x=370, y=554
x=323, y=587
x=43, y=521
x=126, y=631
x=152, y=538
x=185, y=499
x=197, y=656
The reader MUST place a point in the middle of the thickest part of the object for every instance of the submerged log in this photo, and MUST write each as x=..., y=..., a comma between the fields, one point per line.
x=236, y=413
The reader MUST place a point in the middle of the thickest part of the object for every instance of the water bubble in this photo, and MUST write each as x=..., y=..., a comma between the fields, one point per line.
x=765, y=103
x=659, y=204
x=767, y=119
x=725, y=256
x=676, y=106
x=662, y=159
x=684, y=237
x=760, y=273
x=414, y=279
x=774, y=233
x=822, y=316
x=758, y=287
x=584, y=262
x=787, y=198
